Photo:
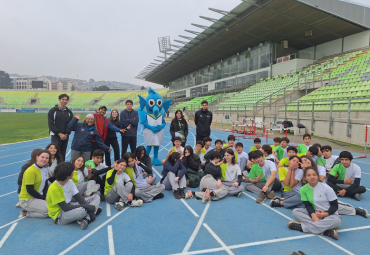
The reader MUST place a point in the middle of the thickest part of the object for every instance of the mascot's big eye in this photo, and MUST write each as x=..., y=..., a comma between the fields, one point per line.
x=159, y=102
x=151, y=102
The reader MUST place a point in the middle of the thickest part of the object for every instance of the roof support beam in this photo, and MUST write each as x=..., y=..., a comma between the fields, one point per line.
x=296, y=20
x=201, y=26
x=181, y=42
x=176, y=46
x=186, y=37
x=192, y=32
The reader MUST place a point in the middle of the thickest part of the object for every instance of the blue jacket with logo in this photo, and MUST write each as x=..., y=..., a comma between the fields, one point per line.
x=83, y=136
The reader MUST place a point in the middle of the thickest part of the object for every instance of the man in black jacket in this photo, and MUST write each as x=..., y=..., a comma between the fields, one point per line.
x=203, y=121
x=58, y=119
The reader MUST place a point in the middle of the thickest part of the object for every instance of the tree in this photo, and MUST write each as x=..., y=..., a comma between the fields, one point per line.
x=5, y=81
x=91, y=81
x=73, y=87
x=143, y=88
x=101, y=88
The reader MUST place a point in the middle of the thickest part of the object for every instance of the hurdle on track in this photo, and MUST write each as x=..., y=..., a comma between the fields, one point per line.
x=276, y=129
x=366, y=132
x=252, y=128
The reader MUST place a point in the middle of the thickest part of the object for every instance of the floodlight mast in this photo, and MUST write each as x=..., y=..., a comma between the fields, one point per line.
x=164, y=45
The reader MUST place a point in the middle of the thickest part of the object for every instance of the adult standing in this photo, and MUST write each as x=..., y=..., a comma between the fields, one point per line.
x=203, y=121
x=111, y=138
x=129, y=119
x=102, y=126
x=58, y=119
x=179, y=128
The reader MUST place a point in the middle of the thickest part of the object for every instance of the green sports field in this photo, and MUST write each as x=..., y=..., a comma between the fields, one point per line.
x=17, y=127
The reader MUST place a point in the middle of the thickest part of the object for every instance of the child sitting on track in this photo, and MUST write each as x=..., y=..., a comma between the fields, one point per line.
x=302, y=148
x=277, y=142
x=290, y=151
x=257, y=145
x=327, y=152
x=174, y=175
x=231, y=174
x=281, y=150
x=218, y=145
x=34, y=187
x=242, y=156
x=177, y=148
x=231, y=143
x=207, y=141
x=320, y=215
x=267, y=153
x=60, y=195
x=119, y=188
x=200, y=152
x=56, y=158
x=191, y=162
x=144, y=158
x=84, y=188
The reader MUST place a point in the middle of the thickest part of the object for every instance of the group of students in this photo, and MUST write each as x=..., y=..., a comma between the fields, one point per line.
x=310, y=177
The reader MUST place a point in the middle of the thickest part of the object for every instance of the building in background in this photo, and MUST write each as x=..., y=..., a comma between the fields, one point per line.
x=40, y=83
x=62, y=86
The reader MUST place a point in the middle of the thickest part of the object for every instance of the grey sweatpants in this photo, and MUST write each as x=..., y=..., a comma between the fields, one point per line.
x=256, y=188
x=231, y=189
x=316, y=227
x=146, y=177
x=148, y=192
x=83, y=186
x=36, y=208
x=346, y=209
x=170, y=184
x=208, y=182
x=292, y=199
x=78, y=213
x=85, y=154
x=119, y=193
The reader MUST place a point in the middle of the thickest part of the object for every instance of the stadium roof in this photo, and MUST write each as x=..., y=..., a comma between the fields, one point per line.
x=257, y=21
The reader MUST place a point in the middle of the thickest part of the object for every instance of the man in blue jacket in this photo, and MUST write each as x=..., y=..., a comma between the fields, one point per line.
x=129, y=119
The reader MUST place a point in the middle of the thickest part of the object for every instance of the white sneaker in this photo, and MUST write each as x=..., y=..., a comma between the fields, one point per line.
x=92, y=189
x=136, y=203
x=18, y=205
x=119, y=206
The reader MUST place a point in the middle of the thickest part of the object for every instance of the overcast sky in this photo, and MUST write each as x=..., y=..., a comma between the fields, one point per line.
x=104, y=40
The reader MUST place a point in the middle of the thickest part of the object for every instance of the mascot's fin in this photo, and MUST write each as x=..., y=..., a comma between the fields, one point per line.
x=166, y=105
x=142, y=102
x=151, y=91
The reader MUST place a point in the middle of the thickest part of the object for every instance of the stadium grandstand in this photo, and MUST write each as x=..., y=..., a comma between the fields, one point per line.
x=306, y=61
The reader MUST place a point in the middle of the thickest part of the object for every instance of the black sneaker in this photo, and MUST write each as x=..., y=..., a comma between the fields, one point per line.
x=239, y=194
x=83, y=223
x=181, y=192
x=102, y=197
x=275, y=203
x=357, y=196
x=295, y=225
x=176, y=194
x=362, y=212
x=331, y=233
x=98, y=211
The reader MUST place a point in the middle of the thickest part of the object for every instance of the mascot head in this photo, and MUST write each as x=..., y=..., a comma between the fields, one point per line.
x=154, y=103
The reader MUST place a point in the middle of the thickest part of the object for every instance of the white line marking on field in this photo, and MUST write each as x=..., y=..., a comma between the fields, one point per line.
x=16, y=154
x=3, y=226
x=7, y=234
x=196, y=230
x=108, y=209
x=24, y=141
x=68, y=153
x=336, y=245
x=188, y=206
x=218, y=239
x=16, y=148
x=353, y=229
x=14, y=163
x=269, y=207
x=110, y=240
x=7, y=176
x=157, y=172
x=365, y=173
x=8, y=193
x=361, y=162
x=92, y=232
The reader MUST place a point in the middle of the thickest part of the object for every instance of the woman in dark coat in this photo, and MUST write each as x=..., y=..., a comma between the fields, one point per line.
x=179, y=127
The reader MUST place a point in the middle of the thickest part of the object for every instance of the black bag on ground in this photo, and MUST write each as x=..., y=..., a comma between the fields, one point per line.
x=300, y=125
x=287, y=124
x=193, y=177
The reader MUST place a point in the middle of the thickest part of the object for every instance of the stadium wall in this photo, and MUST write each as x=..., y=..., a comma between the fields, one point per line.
x=291, y=65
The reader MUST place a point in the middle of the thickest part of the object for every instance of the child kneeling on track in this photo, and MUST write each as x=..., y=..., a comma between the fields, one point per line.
x=34, y=187
x=143, y=189
x=262, y=178
x=174, y=175
x=60, y=195
x=320, y=215
x=119, y=188
x=211, y=187
x=231, y=174
x=84, y=188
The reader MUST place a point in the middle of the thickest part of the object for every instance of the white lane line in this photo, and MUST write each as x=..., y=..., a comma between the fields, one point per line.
x=92, y=232
x=361, y=162
x=157, y=172
x=269, y=207
x=108, y=209
x=336, y=245
x=218, y=239
x=16, y=148
x=8, y=193
x=365, y=173
x=7, y=176
x=190, y=209
x=353, y=229
x=110, y=240
x=25, y=141
x=68, y=153
x=7, y=234
x=3, y=226
x=14, y=163
x=196, y=230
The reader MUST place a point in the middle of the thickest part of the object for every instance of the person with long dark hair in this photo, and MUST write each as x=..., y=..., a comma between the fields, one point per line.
x=191, y=162
x=56, y=157
x=231, y=174
x=179, y=127
x=111, y=139
x=144, y=158
x=174, y=175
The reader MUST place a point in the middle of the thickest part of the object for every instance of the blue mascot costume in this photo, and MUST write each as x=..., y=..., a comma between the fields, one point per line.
x=153, y=120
